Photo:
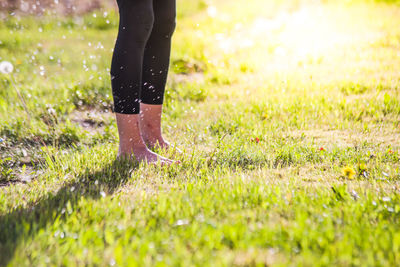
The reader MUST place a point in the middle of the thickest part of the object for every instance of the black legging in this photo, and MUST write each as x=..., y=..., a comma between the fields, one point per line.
x=140, y=61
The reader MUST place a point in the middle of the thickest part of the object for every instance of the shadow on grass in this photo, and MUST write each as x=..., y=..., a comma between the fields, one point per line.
x=23, y=223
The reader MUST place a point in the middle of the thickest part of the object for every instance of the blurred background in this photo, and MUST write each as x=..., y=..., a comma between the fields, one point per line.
x=288, y=64
x=54, y=6
x=83, y=6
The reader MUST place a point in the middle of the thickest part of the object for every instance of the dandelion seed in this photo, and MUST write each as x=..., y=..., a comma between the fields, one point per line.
x=348, y=172
x=6, y=67
x=386, y=199
x=103, y=194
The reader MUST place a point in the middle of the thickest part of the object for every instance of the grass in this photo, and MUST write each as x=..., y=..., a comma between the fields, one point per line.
x=289, y=115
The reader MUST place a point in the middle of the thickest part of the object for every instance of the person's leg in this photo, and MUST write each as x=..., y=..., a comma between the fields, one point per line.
x=155, y=71
x=135, y=25
x=136, y=22
x=131, y=142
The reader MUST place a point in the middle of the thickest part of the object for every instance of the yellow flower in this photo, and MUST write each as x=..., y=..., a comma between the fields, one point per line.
x=348, y=172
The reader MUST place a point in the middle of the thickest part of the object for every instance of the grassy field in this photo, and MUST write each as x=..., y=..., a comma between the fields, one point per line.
x=288, y=113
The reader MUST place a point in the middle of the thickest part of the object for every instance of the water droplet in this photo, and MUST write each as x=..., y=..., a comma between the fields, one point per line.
x=181, y=222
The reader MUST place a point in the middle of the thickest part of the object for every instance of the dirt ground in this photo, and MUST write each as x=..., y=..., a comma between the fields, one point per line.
x=66, y=7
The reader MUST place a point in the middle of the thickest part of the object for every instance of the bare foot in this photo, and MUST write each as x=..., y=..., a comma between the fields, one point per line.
x=131, y=144
x=150, y=126
x=145, y=155
x=160, y=143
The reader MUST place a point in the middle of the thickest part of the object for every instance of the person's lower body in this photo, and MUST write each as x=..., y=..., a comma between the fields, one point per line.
x=139, y=72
